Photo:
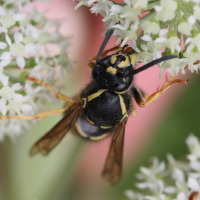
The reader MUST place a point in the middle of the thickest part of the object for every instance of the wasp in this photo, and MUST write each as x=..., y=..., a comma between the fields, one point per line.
x=103, y=107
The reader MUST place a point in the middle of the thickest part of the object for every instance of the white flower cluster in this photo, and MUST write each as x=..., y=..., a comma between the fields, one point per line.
x=25, y=35
x=163, y=23
x=177, y=180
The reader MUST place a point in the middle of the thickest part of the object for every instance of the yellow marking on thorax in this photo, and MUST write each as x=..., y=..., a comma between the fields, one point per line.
x=91, y=122
x=111, y=70
x=113, y=59
x=120, y=92
x=133, y=58
x=95, y=95
x=122, y=104
x=84, y=102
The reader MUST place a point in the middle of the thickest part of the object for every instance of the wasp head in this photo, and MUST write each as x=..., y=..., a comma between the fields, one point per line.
x=109, y=72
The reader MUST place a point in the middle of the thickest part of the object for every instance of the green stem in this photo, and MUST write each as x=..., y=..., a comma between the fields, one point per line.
x=13, y=76
x=152, y=4
x=179, y=16
x=164, y=24
x=173, y=24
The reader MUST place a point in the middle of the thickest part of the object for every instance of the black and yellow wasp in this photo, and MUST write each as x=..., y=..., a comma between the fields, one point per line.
x=103, y=106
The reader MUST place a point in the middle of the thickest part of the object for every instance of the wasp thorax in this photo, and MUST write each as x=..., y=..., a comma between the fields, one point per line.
x=109, y=72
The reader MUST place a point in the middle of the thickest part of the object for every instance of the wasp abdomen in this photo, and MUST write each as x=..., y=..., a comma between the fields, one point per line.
x=90, y=131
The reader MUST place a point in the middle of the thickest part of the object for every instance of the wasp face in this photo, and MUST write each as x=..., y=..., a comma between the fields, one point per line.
x=110, y=71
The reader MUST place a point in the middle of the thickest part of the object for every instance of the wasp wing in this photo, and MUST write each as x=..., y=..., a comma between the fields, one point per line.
x=113, y=166
x=45, y=144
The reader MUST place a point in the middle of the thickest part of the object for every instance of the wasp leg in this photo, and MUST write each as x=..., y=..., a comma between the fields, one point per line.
x=91, y=61
x=39, y=115
x=133, y=110
x=193, y=196
x=138, y=94
x=57, y=94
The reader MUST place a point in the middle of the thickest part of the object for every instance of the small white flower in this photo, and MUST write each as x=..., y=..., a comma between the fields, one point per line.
x=129, y=13
x=191, y=20
x=197, y=12
x=193, y=56
x=172, y=64
x=150, y=27
x=101, y=6
x=193, y=184
x=168, y=10
x=7, y=21
x=133, y=196
x=126, y=34
x=17, y=49
x=193, y=145
x=151, y=174
x=157, y=190
x=8, y=92
x=184, y=27
x=195, y=41
x=145, y=56
x=174, y=164
x=83, y=2
x=172, y=43
x=3, y=45
x=155, y=45
x=140, y=4
x=182, y=196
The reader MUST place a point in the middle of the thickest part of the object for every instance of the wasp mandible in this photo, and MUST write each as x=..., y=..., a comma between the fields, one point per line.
x=103, y=107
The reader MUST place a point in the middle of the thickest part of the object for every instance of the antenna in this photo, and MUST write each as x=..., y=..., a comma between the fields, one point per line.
x=108, y=36
x=150, y=64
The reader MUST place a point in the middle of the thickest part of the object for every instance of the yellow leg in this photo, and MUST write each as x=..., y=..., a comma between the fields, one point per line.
x=193, y=196
x=133, y=110
x=57, y=94
x=159, y=92
x=39, y=115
